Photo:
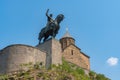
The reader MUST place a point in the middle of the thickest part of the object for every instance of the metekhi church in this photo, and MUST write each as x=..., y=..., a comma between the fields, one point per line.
x=72, y=53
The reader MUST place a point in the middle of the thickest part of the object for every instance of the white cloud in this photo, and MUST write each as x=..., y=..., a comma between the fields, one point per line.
x=112, y=61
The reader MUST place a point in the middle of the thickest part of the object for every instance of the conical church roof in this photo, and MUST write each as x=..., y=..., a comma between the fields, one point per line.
x=66, y=35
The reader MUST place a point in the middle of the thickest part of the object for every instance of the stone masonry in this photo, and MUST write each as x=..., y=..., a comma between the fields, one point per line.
x=13, y=56
x=53, y=50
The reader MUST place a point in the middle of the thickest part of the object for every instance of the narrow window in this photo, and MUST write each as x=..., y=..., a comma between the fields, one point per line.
x=71, y=52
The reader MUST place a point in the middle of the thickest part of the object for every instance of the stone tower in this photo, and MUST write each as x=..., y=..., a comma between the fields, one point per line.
x=66, y=40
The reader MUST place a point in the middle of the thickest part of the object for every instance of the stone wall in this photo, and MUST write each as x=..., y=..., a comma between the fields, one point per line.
x=73, y=55
x=85, y=60
x=13, y=56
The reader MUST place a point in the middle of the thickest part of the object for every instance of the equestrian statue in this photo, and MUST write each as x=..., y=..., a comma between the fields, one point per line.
x=51, y=28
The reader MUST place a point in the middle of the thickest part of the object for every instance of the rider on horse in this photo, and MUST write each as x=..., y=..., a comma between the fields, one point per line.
x=51, y=28
x=49, y=19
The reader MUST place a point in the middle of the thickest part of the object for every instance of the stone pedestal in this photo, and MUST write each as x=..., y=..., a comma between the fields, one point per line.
x=53, y=50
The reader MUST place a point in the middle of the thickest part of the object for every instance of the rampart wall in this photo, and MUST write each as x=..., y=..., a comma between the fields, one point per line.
x=13, y=56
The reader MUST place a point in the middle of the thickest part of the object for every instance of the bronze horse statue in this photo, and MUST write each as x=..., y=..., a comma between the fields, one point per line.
x=51, y=29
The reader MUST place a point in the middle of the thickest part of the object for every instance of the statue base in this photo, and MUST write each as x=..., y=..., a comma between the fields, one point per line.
x=53, y=50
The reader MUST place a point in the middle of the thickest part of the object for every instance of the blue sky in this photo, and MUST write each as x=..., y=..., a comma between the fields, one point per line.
x=93, y=23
